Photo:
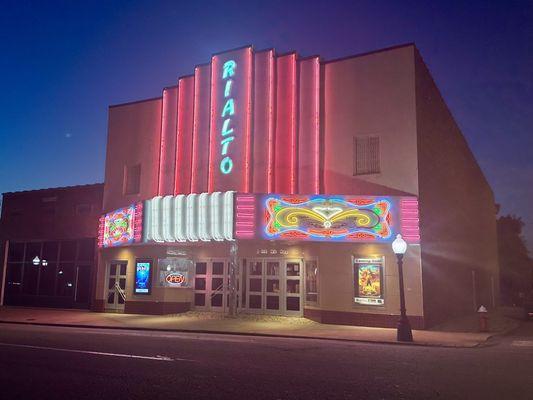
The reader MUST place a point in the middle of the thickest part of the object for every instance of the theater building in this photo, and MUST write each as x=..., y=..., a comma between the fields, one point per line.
x=301, y=171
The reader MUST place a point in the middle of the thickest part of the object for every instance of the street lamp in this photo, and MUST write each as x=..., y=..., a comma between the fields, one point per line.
x=404, y=334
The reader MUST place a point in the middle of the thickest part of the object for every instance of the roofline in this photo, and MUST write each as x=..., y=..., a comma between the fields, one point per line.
x=370, y=52
x=235, y=49
x=129, y=103
x=86, y=186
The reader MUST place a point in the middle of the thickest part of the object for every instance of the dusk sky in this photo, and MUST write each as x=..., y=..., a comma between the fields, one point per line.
x=63, y=63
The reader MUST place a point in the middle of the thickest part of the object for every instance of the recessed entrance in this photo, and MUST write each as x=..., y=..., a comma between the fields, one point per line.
x=116, y=286
x=273, y=286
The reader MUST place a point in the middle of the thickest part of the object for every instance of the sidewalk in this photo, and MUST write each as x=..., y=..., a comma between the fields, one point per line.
x=259, y=325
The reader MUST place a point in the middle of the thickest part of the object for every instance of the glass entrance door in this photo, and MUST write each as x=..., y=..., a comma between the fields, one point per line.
x=273, y=286
x=116, y=286
x=211, y=285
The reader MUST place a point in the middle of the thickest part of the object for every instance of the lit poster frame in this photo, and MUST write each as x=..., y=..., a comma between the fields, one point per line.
x=143, y=276
x=368, y=281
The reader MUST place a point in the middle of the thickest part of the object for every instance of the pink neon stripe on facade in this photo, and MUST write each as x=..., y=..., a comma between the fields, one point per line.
x=248, y=133
x=213, y=124
x=294, y=131
x=245, y=217
x=184, y=137
x=195, y=130
x=161, y=144
x=270, y=168
x=409, y=216
x=317, y=126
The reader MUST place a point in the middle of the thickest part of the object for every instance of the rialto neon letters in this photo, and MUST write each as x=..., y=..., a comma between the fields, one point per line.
x=227, y=132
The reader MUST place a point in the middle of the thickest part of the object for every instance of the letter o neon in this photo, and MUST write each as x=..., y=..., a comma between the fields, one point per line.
x=226, y=165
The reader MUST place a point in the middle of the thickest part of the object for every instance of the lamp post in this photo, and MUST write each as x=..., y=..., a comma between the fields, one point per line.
x=404, y=334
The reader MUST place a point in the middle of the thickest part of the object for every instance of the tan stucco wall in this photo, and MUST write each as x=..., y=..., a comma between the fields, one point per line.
x=371, y=95
x=133, y=138
x=457, y=211
x=336, y=290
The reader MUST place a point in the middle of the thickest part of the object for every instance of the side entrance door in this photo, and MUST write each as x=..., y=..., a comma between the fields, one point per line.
x=116, y=286
x=274, y=286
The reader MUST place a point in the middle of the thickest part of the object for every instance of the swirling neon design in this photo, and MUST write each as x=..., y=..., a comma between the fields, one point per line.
x=327, y=218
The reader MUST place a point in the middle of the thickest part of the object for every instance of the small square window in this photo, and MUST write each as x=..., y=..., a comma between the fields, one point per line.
x=132, y=179
x=366, y=158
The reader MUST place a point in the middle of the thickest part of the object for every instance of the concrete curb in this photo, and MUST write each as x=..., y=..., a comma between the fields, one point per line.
x=252, y=334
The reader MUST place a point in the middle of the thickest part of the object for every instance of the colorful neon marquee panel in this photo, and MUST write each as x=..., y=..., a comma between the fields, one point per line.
x=121, y=227
x=328, y=218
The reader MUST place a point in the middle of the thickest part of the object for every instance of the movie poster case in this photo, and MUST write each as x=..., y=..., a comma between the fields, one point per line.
x=368, y=281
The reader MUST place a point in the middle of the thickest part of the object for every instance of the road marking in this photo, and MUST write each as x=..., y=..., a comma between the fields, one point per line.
x=98, y=353
x=522, y=343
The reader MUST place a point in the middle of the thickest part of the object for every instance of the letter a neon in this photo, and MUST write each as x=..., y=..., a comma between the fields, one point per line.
x=229, y=108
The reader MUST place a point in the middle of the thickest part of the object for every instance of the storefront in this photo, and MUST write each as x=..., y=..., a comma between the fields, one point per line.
x=324, y=257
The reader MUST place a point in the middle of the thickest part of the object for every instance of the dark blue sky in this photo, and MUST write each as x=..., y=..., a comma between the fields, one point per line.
x=63, y=62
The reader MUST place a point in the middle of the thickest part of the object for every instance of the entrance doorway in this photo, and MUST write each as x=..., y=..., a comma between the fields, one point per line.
x=274, y=286
x=116, y=286
x=211, y=285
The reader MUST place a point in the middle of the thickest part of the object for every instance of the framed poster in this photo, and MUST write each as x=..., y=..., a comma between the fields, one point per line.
x=143, y=276
x=368, y=281
x=175, y=272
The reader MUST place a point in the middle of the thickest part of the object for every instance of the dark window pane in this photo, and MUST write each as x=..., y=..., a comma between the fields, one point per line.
x=68, y=251
x=199, y=283
x=216, y=300
x=293, y=304
x=254, y=301
x=272, y=303
x=293, y=286
x=111, y=298
x=272, y=285
x=65, y=279
x=50, y=251
x=16, y=252
x=273, y=268
x=201, y=268
x=48, y=279
x=122, y=283
x=111, y=283
x=216, y=284
x=86, y=250
x=255, y=285
x=199, y=299
x=112, y=269
x=32, y=250
x=293, y=269
x=256, y=268
x=83, y=284
x=13, y=278
x=30, y=278
x=218, y=268
x=123, y=269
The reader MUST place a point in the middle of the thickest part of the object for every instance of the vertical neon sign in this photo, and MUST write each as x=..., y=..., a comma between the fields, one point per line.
x=227, y=133
x=230, y=132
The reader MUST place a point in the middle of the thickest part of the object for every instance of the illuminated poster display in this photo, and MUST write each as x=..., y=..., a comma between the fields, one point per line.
x=175, y=272
x=121, y=227
x=328, y=218
x=230, y=132
x=368, y=281
x=143, y=276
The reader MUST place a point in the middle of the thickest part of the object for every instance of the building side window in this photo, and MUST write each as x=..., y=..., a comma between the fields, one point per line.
x=132, y=179
x=366, y=155
x=368, y=281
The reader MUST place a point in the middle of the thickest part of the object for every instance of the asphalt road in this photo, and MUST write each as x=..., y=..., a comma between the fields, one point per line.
x=58, y=363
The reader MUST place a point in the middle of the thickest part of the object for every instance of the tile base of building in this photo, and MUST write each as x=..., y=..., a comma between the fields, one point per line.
x=156, y=308
x=360, y=319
